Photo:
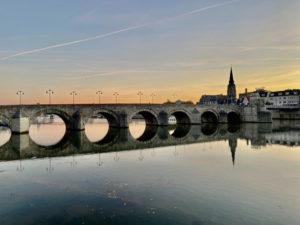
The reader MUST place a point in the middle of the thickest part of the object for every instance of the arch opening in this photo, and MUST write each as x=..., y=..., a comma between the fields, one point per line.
x=209, y=117
x=110, y=118
x=101, y=127
x=47, y=129
x=233, y=118
x=143, y=126
x=96, y=128
x=179, y=117
x=179, y=124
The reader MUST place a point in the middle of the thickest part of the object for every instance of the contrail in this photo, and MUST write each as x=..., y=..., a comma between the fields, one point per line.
x=117, y=31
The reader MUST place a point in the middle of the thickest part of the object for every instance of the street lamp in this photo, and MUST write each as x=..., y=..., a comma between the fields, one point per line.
x=140, y=94
x=49, y=93
x=73, y=93
x=99, y=93
x=20, y=93
x=116, y=94
x=152, y=97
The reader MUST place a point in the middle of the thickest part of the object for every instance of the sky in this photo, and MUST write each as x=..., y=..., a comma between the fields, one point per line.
x=177, y=49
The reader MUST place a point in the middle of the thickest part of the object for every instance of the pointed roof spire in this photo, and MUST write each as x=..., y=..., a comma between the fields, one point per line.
x=231, y=81
x=233, y=155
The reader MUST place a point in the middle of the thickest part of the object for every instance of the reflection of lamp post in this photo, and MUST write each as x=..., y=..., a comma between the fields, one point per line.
x=50, y=168
x=49, y=93
x=20, y=93
x=73, y=163
x=99, y=163
x=153, y=153
x=175, y=151
x=99, y=93
x=73, y=93
x=116, y=158
x=20, y=168
x=140, y=95
x=116, y=94
x=141, y=157
x=152, y=97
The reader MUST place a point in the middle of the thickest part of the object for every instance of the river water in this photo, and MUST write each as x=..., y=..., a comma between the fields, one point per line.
x=197, y=175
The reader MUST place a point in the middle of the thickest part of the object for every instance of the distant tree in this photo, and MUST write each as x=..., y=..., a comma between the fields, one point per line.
x=168, y=102
x=189, y=102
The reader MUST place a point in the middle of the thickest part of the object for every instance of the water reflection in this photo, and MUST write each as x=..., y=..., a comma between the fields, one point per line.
x=165, y=180
x=101, y=138
x=5, y=134
x=48, y=130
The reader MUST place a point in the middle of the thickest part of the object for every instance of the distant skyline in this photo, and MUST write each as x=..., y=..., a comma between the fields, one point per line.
x=176, y=49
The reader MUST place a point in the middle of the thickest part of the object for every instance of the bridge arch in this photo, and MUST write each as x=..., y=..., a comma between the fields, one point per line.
x=233, y=117
x=182, y=116
x=150, y=116
x=151, y=124
x=63, y=115
x=112, y=118
x=209, y=116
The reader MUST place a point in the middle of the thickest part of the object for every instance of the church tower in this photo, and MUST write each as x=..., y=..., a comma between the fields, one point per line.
x=231, y=90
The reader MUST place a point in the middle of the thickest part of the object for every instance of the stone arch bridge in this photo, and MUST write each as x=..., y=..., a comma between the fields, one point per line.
x=19, y=117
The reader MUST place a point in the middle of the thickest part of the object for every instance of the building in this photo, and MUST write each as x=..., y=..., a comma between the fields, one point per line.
x=231, y=89
x=212, y=99
x=230, y=98
x=259, y=96
x=284, y=99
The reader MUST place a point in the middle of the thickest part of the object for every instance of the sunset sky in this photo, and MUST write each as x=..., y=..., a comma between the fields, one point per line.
x=174, y=48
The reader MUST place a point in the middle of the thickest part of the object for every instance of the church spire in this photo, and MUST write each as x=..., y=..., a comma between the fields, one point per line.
x=231, y=90
x=231, y=81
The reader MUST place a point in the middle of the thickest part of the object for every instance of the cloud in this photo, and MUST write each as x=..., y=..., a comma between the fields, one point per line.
x=196, y=11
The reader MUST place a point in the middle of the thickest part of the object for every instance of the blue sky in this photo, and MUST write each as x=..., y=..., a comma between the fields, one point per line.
x=185, y=56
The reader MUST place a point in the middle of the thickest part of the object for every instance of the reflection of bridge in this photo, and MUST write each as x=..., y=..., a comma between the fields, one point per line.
x=21, y=147
x=19, y=118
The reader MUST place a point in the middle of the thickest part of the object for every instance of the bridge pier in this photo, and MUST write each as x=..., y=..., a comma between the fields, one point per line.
x=20, y=123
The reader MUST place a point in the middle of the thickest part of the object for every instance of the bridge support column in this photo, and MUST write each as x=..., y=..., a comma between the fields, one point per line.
x=77, y=124
x=123, y=120
x=20, y=124
x=223, y=118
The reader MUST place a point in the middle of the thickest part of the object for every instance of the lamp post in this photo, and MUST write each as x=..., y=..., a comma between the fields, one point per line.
x=99, y=93
x=140, y=95
x=73, y=93
x=152, y=97
x=20, y=93
x=116, y=94
x=49, y=93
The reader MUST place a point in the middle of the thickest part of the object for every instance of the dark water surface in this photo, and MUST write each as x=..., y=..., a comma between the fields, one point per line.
x=199, y=175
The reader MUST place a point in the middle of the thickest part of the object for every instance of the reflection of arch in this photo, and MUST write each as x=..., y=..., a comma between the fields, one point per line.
x=111, y=136
x=233, y=117
x=209, y=117
x=149, y=133
x=208, y=129
x=151, y=121
x=111, y=117
x=233, y=128
x=181, y=116
x=181, y=130
x=63, y=115
x=150, y=117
